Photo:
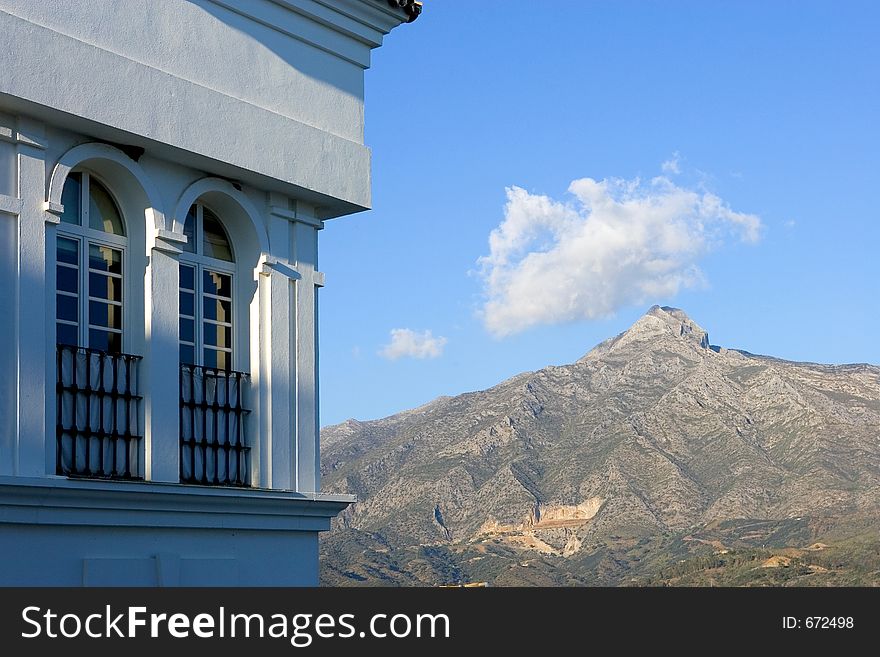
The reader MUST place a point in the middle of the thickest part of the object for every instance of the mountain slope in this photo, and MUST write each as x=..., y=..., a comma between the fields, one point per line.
x=607, y=469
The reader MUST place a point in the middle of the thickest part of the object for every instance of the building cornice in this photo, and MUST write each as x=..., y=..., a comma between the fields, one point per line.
x=412, y=8
x=61, y=501
x=365, y=21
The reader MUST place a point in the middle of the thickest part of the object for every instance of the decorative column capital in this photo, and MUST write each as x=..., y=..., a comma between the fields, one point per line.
x=295, y=217
x=53, y=212
x=277, y=266
x=169, y=242
x=10, y=205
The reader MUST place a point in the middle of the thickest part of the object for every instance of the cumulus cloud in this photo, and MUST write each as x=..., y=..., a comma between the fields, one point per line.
x=672, y=164
x=406, y=343
x=619, y=242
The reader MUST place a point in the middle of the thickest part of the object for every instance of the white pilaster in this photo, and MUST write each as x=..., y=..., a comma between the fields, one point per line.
x=160, y=375
x=9, y=210
x=36, y=329
x=305, y=244
x=277, y=411
x=8, y=164
x=8, y=337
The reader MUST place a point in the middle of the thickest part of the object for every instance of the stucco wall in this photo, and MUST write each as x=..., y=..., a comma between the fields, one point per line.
x=37, y=555
x=259, y=91
x=212, y=46
x=75, y=532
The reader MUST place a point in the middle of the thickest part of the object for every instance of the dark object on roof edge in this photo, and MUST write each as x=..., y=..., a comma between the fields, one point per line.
x=412, y=8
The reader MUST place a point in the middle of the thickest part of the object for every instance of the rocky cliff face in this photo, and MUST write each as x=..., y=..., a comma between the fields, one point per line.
x=608, y=468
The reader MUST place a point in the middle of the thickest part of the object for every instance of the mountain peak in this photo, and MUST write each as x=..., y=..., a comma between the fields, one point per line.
x=659, y=324
x=664, y=311
x=568, y=475
x=679, y=319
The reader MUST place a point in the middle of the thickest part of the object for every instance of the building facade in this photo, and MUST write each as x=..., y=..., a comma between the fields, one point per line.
x=165, y=168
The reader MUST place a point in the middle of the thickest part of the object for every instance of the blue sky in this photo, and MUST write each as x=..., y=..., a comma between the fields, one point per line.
x=727, y=156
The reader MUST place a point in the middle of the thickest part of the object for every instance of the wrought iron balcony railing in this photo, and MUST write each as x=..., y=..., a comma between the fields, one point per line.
x=213, y=449
x=98, y=431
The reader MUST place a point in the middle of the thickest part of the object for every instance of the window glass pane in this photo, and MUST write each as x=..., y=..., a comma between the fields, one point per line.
x=219, y=359
x=105, y=287
x=224, y=336
x=187, y=330
x=105, y=341
x=187, y=354
x=210, y=334
x=67, y=251
x=103, y=258
x=114, y=343
x=67, y=279
x=215, y=283
x=70, y=199
x=66, y=334
x=187, y=303
x=189, y=229
x=187, y=277
x=210, y=358
x=215, y=244
x=104, y=314
x=66, y=308
x=103, y=213
x=217, y=336
x=218, y=309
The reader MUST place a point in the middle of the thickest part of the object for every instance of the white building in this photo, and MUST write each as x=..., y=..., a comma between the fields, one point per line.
x=165, y=167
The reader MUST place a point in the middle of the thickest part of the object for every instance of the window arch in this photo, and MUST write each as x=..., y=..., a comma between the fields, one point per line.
x=213, y=445
x=91, y=245
x=207, y=269
x=97, y=401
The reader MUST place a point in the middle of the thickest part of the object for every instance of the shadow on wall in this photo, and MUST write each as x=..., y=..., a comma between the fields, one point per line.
x=288, y=38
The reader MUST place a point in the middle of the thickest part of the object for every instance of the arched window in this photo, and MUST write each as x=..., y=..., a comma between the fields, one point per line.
x=213, y=449
x=98, y=420
x=206, y=292
x=90, y=267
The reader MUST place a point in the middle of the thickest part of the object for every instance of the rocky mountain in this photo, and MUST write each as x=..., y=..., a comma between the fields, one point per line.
x=656, y=458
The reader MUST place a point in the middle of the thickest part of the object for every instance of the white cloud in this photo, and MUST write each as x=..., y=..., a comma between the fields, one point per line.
x=413, y=344
x=622, y=242
x=791, y=223
x=672, y=164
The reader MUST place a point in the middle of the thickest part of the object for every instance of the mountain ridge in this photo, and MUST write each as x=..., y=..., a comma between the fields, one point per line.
x=653, y=432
